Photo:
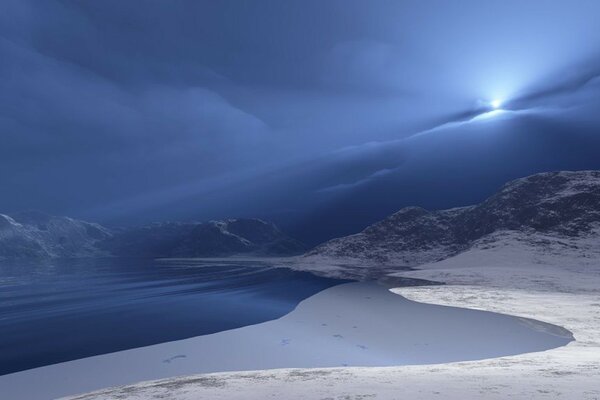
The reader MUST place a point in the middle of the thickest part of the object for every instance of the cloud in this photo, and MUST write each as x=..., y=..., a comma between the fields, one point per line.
x=207, y=109
x=64, y=124
x=369, y=66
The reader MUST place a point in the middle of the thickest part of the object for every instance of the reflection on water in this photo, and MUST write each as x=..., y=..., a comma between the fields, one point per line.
x=63, y=310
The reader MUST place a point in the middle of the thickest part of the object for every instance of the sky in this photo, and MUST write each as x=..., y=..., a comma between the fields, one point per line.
x=323, y=116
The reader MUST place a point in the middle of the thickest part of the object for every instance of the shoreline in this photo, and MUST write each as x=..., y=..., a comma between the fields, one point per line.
x=556, y=284
x=352, y=324
x=63, y=311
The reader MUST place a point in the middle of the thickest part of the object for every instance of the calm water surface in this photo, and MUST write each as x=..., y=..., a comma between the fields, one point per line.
x=64, y=310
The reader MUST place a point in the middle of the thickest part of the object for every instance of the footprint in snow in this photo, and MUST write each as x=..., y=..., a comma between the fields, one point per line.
x=168, y=360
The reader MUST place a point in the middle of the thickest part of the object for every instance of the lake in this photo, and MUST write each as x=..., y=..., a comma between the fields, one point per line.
x=61, y=310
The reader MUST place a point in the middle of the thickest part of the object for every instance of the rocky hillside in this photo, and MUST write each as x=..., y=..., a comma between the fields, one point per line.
x=33, y=234
x=207, y=239
x=557, y=204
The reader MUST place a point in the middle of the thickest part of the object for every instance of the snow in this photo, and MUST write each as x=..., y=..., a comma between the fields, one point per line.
x=360, y=324
x=565, y=204
x=554, y=283
x=51, y=237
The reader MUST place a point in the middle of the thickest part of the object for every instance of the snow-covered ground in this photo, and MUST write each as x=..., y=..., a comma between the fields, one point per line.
x=354, y=324
x=531, y=277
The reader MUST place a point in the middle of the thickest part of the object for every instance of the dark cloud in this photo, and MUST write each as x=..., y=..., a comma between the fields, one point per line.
x=300, y=111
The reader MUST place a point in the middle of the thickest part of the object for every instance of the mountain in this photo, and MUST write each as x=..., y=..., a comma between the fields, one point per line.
x=33, y=234
x=456, y=162
x=554, y=206
x=206, y=239
x=557, y=206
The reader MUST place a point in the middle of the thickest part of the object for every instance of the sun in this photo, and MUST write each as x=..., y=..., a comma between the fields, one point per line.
x=496, y=104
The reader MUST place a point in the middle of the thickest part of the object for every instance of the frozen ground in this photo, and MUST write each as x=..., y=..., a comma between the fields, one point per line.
x=354, y=324
x=532, y=277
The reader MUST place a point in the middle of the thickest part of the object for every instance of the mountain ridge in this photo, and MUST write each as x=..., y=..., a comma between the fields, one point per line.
x=564, y=204
x=32, y=234
x=36, y=235
x=213, y=238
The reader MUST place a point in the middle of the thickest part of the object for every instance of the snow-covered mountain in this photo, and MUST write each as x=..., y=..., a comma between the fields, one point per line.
x=561, y=207
x=33, y=234
x=206, y=239
x=558, y=207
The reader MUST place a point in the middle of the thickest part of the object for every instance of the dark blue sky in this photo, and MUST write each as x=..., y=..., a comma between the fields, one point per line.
x=295, y=111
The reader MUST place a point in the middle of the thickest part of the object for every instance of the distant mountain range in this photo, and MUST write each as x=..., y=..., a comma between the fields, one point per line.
x=35, y=235
x=563, y=206
x=207, y=239
x=548, y=206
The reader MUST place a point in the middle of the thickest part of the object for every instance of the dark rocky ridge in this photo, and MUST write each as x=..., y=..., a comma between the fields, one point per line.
x=206, y=239
x=563, y=204
x=32, y=234
x=36, y=235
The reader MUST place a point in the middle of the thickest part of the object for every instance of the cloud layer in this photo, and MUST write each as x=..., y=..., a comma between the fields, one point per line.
x=303, y=112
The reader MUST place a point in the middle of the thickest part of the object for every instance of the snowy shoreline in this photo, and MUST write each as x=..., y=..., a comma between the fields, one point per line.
x=555, y=283
x=353, y=324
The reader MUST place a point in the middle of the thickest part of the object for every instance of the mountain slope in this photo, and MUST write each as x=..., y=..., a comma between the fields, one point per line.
x=556, y=204
x=35, y=235
x=32, y=234
x=206, y=239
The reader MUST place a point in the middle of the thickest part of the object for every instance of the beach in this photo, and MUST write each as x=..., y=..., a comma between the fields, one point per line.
x=556, y=284
x=349, y=325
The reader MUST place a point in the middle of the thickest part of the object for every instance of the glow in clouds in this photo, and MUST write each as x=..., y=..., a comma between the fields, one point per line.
x=490, y=114
x=496, y=104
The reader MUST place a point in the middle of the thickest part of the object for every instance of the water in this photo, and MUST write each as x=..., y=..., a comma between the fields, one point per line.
x=64, y=310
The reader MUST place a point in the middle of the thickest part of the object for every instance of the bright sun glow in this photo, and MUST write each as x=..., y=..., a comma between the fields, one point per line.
x=496, y=104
